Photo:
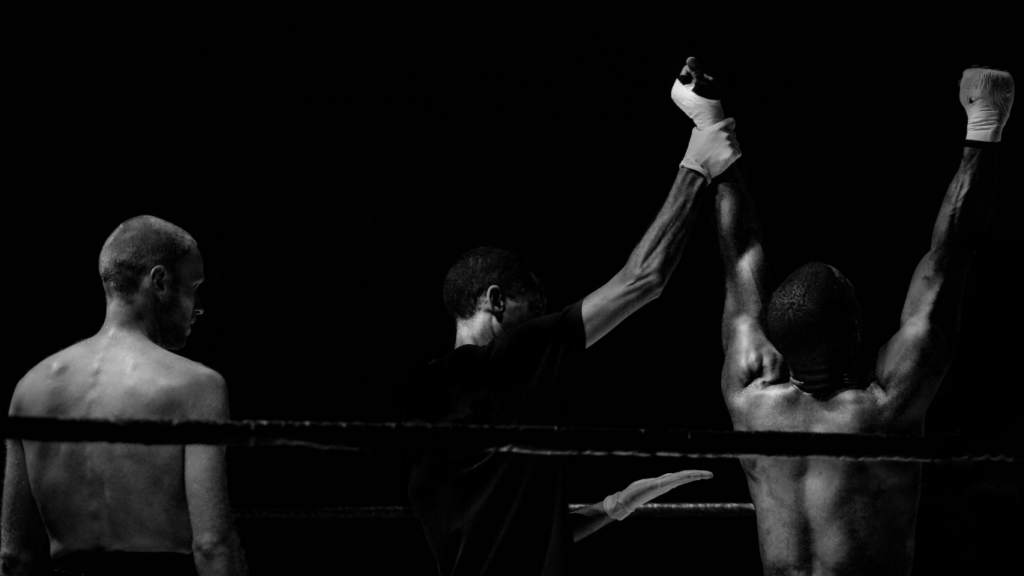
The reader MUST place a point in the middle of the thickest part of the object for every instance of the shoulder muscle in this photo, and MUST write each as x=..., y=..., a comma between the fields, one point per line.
x=205, y=394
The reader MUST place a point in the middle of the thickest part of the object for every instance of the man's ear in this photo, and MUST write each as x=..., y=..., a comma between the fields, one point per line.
x=158, y=278
x=496, y=300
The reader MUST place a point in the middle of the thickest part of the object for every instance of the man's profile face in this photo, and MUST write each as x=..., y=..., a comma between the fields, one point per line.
x=531, y=305
x=180, y=309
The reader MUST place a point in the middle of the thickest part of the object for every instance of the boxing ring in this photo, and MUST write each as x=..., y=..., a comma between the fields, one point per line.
x=399, y=438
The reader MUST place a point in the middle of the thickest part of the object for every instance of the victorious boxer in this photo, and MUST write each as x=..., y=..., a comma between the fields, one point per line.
x=790, y=365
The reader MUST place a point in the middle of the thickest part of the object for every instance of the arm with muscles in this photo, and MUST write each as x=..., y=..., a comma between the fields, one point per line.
x=912, y=364
x=749, y=355
x=25, y=544
x=711, y=150
x=618, y=506
x=215, y=544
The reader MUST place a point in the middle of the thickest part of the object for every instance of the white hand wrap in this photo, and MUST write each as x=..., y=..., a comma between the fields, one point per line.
x=987, y=96
x=615, y=508
x=702, y=111
x=712, y=150
x=622, y=504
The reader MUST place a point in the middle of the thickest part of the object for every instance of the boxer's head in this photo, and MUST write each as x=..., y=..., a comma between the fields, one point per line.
x=155, y=268
x=498, y=280
x=814, y=321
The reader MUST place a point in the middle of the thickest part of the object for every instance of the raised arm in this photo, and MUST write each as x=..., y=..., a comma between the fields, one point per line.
x=649, y=266
x=912, y=364
x=749, y=355
x=215, y=543
x=711, y=150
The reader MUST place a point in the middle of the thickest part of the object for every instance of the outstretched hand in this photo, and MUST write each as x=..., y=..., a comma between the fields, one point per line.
x=622, y=504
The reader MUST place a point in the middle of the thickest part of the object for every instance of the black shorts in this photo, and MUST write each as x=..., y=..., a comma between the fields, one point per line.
x=118, y=563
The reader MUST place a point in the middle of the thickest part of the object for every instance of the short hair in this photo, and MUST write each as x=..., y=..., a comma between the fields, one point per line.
x=135, y=247
x=480, y=268
x=814, y=312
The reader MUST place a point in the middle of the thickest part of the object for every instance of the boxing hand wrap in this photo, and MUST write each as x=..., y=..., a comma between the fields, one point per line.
x=702, y=111
x=987, y=97
x=615, y=508
x=622, y=504
x=712, y=150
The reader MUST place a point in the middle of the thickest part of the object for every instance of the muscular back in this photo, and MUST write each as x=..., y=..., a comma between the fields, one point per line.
x=822, y=515
x=828, y=516
x=107, y=496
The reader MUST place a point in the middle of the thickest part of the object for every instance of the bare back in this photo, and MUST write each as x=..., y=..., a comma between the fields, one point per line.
x=103, y=496
x=823, y=515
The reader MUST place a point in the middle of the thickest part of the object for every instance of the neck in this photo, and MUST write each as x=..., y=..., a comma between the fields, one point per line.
x=130, y=318
x=478, y=330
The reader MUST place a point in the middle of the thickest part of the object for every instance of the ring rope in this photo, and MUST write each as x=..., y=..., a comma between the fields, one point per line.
x=535, y=440
x=666, y=510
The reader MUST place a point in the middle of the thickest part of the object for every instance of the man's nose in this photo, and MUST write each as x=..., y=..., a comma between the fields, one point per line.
x=197, y=308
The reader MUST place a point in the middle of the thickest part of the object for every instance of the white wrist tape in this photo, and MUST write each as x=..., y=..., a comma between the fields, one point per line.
x=987, y=96
x=702, y=111
x=983, y=123
x=712, y=150
x=615, y=508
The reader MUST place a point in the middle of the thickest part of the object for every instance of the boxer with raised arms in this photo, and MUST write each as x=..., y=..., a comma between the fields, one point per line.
x=790, y=360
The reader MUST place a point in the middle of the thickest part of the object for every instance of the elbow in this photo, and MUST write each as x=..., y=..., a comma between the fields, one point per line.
x=211, y=549
x=647, y=286
x=654, y=291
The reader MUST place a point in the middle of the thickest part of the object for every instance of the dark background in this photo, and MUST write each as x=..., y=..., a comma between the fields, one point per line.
x=332, y=167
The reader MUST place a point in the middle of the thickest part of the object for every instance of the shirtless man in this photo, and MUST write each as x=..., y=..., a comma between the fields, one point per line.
x=790, y=366
x=104, y=508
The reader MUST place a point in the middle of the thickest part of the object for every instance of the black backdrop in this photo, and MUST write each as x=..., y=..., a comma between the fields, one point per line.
x=332, y=167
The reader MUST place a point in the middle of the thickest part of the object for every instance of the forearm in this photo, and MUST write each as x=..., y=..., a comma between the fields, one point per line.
x=588, y=520
x=967, y=204
x=659, y=251
x=739, y=239
x=937, y=285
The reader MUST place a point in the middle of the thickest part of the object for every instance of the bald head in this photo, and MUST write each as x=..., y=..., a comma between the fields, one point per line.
x=136, y=247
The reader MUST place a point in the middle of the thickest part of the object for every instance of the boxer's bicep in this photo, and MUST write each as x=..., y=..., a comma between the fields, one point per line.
x=912, y=363
x=612, y=303
x=749, y=356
